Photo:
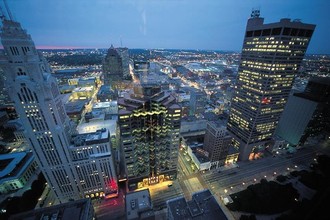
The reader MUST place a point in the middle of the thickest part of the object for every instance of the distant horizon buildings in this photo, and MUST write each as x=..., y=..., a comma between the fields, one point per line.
x=271, y=57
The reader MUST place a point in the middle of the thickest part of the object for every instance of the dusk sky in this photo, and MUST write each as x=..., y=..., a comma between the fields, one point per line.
x=180, y=24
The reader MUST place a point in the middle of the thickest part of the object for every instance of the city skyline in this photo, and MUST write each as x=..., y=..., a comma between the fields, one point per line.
x=175, y=24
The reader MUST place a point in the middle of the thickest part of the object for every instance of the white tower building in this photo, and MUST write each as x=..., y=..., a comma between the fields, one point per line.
x=47, y=127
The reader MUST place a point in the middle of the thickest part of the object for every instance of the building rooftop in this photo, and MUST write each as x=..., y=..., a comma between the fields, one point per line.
x=138, y=203
x=202, y=206
x=75, y=107
x=11, y=164
x=83, y=89
x=76, y=210
x=100, y=136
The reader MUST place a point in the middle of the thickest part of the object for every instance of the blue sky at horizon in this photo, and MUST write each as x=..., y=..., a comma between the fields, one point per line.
x=177, y=24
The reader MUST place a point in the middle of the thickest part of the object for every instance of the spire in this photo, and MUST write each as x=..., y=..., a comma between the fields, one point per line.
x=8, y=11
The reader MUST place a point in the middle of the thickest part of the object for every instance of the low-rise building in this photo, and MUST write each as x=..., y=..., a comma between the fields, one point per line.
x=202, y=206
x=217, y=142
x=77, y=210
x=139, y=206
x=16, y=170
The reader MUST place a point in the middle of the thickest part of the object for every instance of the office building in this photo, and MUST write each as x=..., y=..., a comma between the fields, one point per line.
x=203, y=205
x=4, y=96
x=105, y=94
x=217, y=142
x=112, y=67
x=198, y=101
x=79, y=210
x=149, y=121
x=123, y=52
x=16, y=170
x=306, y=114
x=48, y=129
x=271, y=57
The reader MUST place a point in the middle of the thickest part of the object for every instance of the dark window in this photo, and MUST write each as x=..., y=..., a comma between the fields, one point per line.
x=276, y=31
x=266, y=32
x=286, y=31
x=308, y=33
x=301, y=32
x=294, y=32
x=249, y=34
x=257, y=33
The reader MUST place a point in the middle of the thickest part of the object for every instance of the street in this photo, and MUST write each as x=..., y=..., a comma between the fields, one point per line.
x=221, y=183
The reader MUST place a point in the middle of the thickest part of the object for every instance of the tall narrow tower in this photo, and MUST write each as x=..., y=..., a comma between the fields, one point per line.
x=37, y=101
x=271, y=57
x=74, y=167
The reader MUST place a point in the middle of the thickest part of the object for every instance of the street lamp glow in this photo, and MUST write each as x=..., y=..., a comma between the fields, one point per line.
x=255, y=180
x=225, y=190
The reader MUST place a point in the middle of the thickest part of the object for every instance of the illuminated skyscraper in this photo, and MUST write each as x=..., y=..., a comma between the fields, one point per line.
x=74, y=167
x=149, y=121
x=271, y=57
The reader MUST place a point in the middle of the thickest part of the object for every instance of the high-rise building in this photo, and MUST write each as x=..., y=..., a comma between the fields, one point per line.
x=123, y=52
x=149, y=121
x=4, y=96
x=112, y=67
x=271, y=57
x=217, y=142
x=307, y=113
x=198, y=100
x=73, y=170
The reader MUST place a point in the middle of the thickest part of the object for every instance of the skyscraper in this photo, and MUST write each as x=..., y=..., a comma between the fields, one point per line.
x=271, y=57
x=112, y=67
x=149, y=121
x=123, y=52
x=74, y=167
x=307, y=113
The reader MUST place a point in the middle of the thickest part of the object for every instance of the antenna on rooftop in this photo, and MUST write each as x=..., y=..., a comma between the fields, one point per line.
x=121, y=41
x=2, y=14
x=8, y=11
x=255, y=13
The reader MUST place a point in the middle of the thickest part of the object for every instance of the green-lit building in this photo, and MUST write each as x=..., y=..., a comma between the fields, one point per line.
x=149, y=121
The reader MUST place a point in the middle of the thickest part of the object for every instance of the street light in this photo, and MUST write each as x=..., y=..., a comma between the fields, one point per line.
x=225, y=190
